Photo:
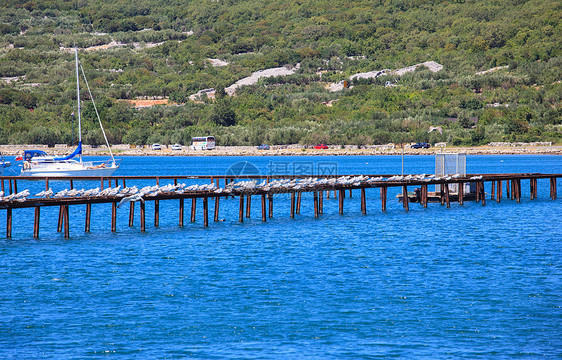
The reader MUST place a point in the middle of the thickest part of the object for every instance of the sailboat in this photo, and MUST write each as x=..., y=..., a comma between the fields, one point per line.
x=39, y=163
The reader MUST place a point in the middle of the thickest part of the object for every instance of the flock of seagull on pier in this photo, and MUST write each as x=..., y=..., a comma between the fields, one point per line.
x=129, y=194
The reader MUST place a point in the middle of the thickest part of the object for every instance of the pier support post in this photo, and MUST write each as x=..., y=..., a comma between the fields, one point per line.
x=477, y=191
x=193, y=208
x=316, y=211
x=517, y=183
x=248, y=206
x=131, y=213
x=9, y=223
x=553, y=190
x=156, y=213
x=270, y=197
x=424, y=195
x=405, y=199
x=205, y=211
x=142, y=216
x=383, y=198
x=66, y=222
x=447, y=197
x=500, y=192
x=217, y=207
x=292, y=205
x=88, y=217
x=350, y=193
x=263, y=211
x=241, y=209
x=341, y=197
x=36, y=222
x=321, y=202
x=493, y=195
x=298, y=210
x=461, y=193
x=442, y=193
x=507, y=190
x=482, y=193
x=113, y=216
x=363, y=202
x=59, y=224
x=180, y=215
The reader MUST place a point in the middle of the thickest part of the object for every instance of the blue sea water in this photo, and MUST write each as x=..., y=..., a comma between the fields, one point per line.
x=472, y=281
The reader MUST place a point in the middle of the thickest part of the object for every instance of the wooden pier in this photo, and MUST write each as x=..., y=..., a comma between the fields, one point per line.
x=336, y=186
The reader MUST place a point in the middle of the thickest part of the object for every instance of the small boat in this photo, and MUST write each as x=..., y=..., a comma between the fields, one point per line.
x=3, y=164
x=39, y=163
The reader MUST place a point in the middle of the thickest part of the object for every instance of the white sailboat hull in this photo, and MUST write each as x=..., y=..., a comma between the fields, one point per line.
x=68, y=169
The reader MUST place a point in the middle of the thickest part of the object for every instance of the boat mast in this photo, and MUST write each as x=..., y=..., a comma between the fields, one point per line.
x=78, y=97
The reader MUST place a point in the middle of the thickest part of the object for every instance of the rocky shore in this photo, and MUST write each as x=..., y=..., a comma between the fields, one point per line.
x=288, y=150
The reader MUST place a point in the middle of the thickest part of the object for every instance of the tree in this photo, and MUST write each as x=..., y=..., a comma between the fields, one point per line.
x=223, y=113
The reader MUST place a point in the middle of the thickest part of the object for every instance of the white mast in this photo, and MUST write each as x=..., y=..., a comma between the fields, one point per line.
x=78, y=97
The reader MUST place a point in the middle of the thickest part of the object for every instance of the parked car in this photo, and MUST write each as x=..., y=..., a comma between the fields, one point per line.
x=421, y=146
x=156, y=147
x=321, y=146
x=263, y=147
x=176, y=147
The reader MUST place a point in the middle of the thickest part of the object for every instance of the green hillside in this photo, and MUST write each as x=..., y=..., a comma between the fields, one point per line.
x=152, y=49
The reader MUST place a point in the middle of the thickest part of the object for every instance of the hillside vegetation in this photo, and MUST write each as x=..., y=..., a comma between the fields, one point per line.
x=149, y=48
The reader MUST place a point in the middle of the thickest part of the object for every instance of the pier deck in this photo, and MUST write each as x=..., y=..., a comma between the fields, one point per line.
x=244, y=187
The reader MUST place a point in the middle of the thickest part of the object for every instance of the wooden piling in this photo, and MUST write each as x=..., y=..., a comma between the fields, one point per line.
x=477, y=183
x=15, y=186
x=71, y=184
x=36, y=222
x=383, y=198
x=241, y=210
x=59, y=224
x=321, y=202
x=518, y=195
x=88, y=217
x=10, y=187
x=156, y=213
x=298, y=209
x=507, y=190
x=316, y=211
x=2, y=189
x=66, y=222
x=553, y=190
x=341, y=197
x=263, y=211
x=270, y=198
x=9, y=223
x=292, y=205
x=350, y=193
x=424, y=195
x=405, y=200
x=493, y=194
x=205, y=211
x=193, y=208
x=131, y=213
x=461, y=193
x=142, y=216
x=442, y=193
x=113, y=216
x=180, y=215
x=216, y=218
x=248, y=206
x=447, y=197
x=482, y=193
x=500, y=192
x=363, y=201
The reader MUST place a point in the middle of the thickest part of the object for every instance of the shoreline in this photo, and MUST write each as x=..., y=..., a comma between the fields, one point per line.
x=14, y=150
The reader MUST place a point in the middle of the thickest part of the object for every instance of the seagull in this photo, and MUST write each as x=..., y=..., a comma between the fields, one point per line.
x=61, y=193
x=45, y=193
x=132, y=198
x=92, y=192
